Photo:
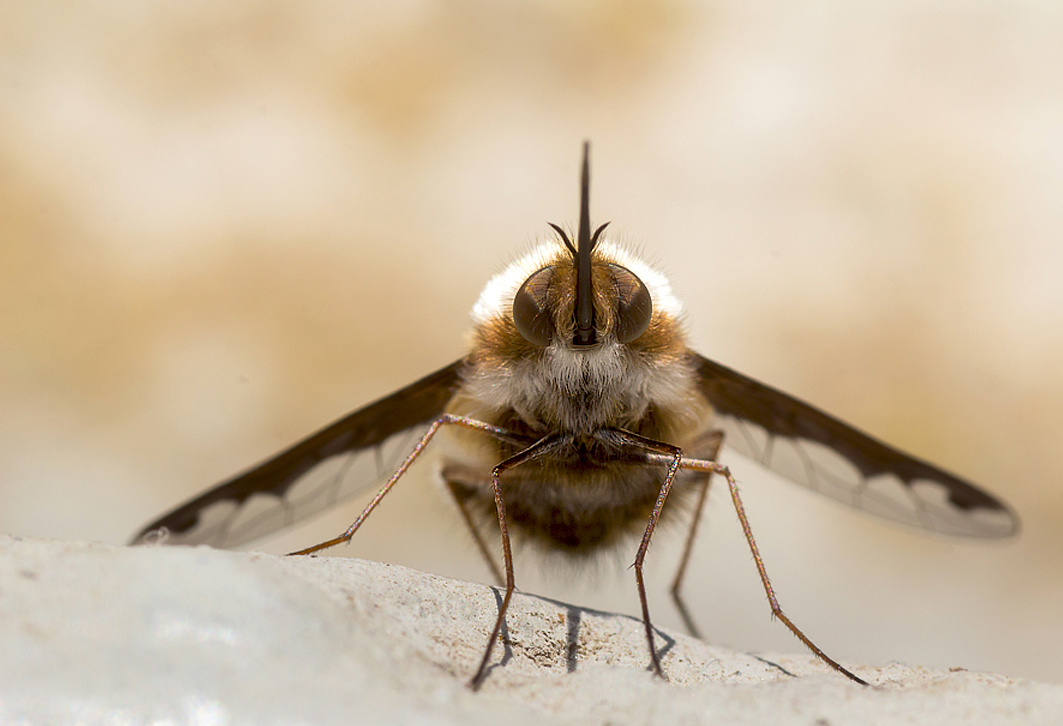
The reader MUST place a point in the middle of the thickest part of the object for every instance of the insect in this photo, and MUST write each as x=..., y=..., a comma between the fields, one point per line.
x=580, y=418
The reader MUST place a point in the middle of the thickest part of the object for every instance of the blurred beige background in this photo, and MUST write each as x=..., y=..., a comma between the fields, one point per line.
x=224, y=224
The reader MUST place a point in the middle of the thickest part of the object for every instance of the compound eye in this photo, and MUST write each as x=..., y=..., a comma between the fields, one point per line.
x=531, y=308
x=634, y=304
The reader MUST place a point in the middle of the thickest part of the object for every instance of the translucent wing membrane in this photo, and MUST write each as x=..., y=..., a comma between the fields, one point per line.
x=338, y=462
x=818, y=451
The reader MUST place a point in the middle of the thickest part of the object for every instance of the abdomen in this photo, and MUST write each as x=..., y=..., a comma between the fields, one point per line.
x=571, y=507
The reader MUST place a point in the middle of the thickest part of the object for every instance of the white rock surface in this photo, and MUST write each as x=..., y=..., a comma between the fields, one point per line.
x=100, y=634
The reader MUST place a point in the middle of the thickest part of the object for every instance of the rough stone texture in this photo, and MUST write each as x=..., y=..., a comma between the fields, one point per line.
x=101, y=634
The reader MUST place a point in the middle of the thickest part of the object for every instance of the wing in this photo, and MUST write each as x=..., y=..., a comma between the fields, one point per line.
x=816, y=450
x=336, y=463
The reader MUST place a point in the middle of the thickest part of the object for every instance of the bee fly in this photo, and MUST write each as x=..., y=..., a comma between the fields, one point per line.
x=580, y=417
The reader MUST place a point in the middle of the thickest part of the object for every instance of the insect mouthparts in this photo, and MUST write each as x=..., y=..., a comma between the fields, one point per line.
x=585, y=323
x=584, y=244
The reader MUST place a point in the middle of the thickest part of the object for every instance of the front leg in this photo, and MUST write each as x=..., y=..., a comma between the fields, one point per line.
x=542, y=446
x=672, y=455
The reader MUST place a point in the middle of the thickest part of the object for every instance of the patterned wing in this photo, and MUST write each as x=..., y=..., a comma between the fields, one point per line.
x=820, y=452
x=338, y=462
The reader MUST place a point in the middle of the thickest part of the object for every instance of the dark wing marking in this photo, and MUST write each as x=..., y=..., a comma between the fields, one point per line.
x=816, y=450
x=345, y=457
